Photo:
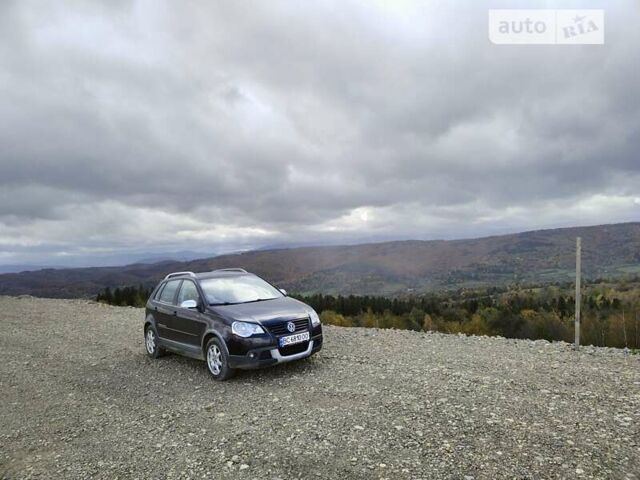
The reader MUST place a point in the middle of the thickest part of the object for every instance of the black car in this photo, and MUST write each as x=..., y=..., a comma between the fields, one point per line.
x=230, y=318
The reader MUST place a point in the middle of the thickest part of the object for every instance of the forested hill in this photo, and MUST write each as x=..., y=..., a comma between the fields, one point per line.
x=380, y=268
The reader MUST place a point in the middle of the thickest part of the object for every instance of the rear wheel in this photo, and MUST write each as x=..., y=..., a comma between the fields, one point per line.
x=218, y=360
x=151, y=342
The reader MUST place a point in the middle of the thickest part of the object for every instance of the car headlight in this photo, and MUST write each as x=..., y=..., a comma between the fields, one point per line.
x=315, y=319
x=246, y=329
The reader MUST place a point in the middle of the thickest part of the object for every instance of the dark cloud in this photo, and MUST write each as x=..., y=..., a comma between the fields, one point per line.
x=130, y=125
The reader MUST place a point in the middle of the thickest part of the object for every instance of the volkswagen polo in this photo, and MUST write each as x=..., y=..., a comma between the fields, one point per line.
x=230, y=318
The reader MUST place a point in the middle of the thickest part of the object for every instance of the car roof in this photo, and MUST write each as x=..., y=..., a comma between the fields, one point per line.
x=221, y=273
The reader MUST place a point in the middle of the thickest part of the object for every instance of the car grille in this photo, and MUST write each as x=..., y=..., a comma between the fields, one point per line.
x=280, y=328
x=293, y=349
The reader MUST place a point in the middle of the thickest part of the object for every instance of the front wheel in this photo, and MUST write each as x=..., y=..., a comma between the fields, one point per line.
x=218, y=360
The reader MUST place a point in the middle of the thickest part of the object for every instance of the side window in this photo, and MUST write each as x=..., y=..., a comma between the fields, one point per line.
x=159, y=292
x=188, y=291
x=169, y=291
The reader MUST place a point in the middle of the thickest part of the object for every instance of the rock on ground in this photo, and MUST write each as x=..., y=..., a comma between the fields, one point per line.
x=80, y=399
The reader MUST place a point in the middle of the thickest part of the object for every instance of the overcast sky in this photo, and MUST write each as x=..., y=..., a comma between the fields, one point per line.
x=151, y=126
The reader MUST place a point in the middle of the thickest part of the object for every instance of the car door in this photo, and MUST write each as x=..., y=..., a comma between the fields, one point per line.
x=166, y=310
x=190, y=323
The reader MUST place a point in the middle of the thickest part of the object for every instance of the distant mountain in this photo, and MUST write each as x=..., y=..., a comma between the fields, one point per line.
x=110, y=260
x=181, y=256
x=25, y=268
x=380, y=268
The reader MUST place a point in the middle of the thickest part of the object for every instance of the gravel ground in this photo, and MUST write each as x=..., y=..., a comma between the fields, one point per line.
x=80, y=399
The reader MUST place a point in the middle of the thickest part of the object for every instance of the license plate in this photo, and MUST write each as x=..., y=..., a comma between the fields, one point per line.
x=293, y=339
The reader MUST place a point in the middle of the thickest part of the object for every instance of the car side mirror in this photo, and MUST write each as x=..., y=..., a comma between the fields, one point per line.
x=283, y=291
x=189, y=304
x=200, y=307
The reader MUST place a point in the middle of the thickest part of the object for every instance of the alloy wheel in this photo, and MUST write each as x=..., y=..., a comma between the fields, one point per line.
x=150, y=341
x=214, y=359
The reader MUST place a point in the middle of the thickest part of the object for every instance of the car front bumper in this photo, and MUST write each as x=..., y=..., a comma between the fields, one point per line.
x=271, y=355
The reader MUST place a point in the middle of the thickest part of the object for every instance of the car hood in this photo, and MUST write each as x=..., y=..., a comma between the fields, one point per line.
x=268, y=311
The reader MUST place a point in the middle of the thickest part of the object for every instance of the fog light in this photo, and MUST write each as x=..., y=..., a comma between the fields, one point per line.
x=252, y=355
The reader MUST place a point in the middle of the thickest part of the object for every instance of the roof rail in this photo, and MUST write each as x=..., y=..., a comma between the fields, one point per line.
x=241, y=270
x=179, y=274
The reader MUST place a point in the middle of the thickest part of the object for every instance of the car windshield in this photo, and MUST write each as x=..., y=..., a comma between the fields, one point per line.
x=240, y=289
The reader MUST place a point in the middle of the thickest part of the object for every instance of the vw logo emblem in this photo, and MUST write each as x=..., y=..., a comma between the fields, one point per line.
x=291, y=327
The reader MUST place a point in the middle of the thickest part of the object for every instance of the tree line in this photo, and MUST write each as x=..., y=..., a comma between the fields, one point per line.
x=125, y=296
x=610, y=311
x=539, y=313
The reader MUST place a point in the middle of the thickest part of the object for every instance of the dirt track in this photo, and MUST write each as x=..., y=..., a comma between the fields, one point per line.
x=80, y=399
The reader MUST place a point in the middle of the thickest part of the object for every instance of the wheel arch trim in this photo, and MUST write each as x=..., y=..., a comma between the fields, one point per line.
x=149, y=320
x=207, y=336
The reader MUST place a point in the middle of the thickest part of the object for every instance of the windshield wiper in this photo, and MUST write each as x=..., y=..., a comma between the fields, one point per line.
x=258, y=300
x=241, y=303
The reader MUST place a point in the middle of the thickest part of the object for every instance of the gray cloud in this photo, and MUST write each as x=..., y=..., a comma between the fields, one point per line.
x=130, y=125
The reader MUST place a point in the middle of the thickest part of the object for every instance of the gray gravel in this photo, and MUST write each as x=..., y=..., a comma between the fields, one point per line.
x=80, y=399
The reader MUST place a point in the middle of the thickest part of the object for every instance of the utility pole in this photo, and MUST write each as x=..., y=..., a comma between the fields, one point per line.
x=578, y=299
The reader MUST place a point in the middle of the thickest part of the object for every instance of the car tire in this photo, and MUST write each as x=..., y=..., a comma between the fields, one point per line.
x=217, y=360
x=151, y=345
